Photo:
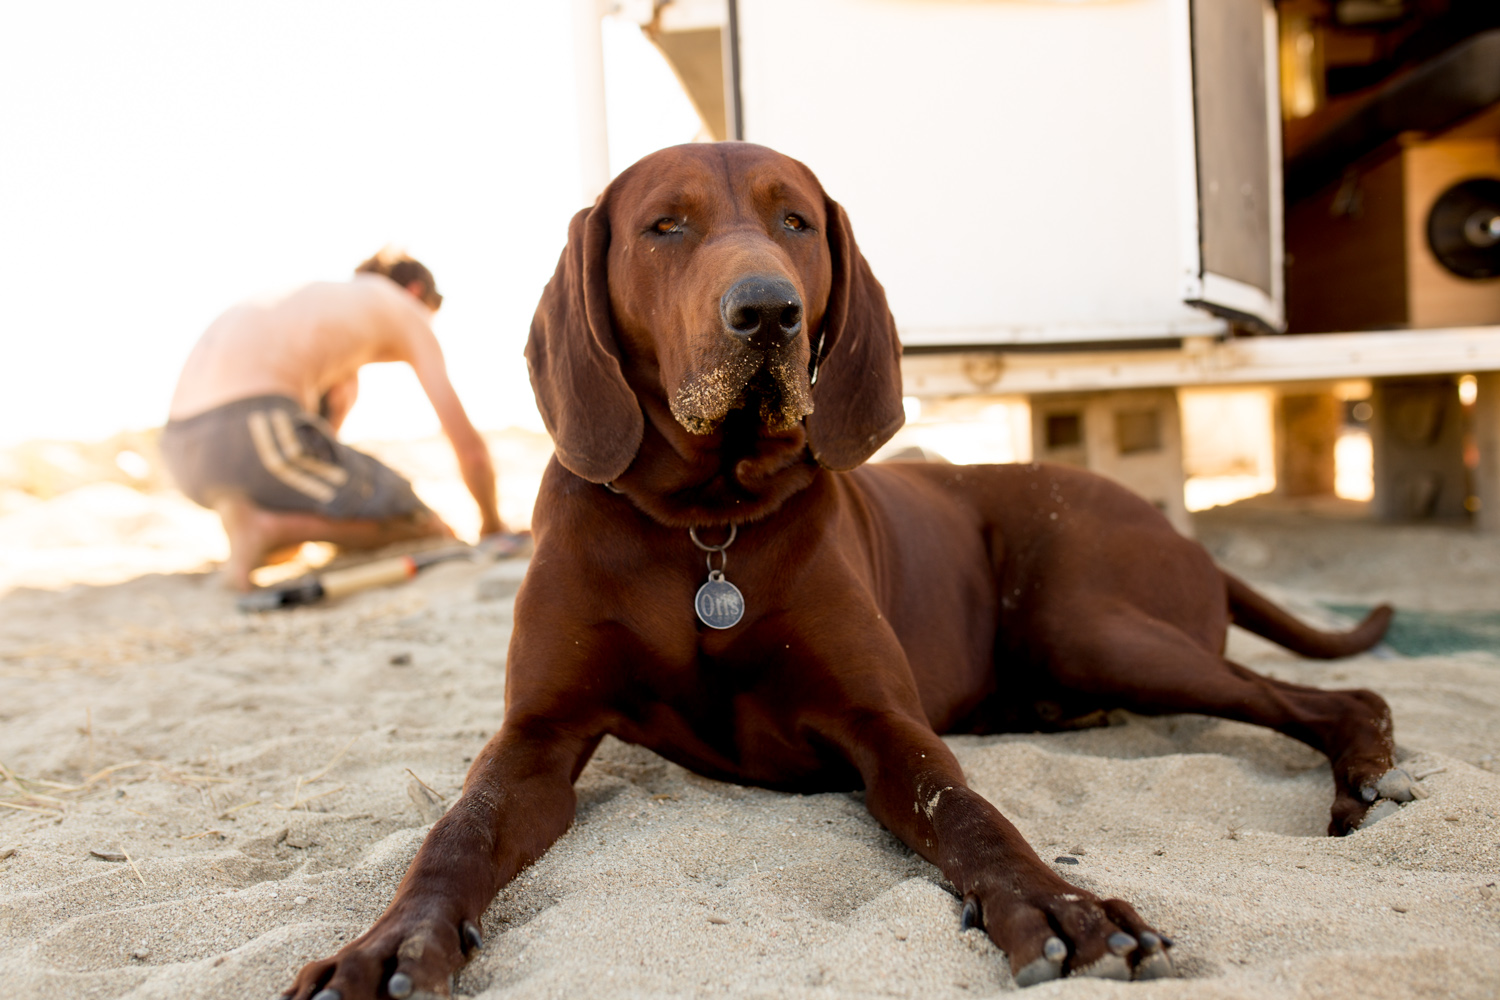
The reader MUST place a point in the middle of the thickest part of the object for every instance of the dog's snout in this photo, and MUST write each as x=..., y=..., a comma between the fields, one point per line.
x=764, y=312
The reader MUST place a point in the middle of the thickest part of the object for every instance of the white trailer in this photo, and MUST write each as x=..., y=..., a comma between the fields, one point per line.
x=1077, y=203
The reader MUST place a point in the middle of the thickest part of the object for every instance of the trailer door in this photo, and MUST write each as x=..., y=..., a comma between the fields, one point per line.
x=1236, y=112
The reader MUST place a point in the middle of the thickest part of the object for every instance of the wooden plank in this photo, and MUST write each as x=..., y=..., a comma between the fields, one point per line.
x=1239, y=361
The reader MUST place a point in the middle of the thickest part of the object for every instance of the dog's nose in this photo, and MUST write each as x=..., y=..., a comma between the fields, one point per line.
x=764, y=312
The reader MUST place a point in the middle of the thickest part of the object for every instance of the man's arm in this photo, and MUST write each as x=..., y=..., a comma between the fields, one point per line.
x=426, y=359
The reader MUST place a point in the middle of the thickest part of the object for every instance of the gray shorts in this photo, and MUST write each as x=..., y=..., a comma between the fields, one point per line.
x=280, y=457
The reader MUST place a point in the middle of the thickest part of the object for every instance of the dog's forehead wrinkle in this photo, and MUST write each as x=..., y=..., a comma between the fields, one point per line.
x=765, y=175
x=776, y=193
x=685, y=202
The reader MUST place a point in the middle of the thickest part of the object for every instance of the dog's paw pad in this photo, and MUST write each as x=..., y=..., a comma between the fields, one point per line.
x=1158, y=966
x=1154, y=962
x=1108, y=967
x=1046, y=968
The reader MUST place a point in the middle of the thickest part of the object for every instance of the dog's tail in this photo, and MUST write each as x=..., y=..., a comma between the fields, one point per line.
x=1256, y=612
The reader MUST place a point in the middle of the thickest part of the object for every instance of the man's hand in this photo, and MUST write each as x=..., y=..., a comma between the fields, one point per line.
x=479, y=476
x=473, y=455
x=505, y=544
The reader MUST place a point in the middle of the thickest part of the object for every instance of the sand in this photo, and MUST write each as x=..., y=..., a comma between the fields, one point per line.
x=246, y=779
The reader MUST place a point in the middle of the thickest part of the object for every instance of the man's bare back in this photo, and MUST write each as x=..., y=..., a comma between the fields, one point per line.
x=262, y=394
x=303, y=343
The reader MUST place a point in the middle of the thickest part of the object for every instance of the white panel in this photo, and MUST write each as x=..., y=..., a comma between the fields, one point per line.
x=1013, y=171
x=1239, y=160
x=593, y=128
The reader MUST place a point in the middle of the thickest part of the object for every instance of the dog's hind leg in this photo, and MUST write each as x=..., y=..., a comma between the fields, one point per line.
x=1133, y=661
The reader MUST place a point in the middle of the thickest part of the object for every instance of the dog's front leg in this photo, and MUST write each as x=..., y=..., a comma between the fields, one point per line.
x=518, y=799
x=1048, y=928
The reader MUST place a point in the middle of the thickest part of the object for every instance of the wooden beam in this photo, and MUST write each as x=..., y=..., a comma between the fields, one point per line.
x=1206, y=362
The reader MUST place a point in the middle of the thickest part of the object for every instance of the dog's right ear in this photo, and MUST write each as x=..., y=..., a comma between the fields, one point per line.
x=593, y=417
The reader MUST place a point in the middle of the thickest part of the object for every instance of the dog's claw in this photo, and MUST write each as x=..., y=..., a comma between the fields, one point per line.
x=970, y=916
x=1151, y=943
x=1055, y=951
x=400, y=986
x=1120, y=943
x=1395, y=785
x=1107, y=967
x=472, y=939
x=328, y=995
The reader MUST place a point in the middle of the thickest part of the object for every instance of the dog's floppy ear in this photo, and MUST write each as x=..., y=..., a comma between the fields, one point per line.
x=857, y=396
x=593, y=417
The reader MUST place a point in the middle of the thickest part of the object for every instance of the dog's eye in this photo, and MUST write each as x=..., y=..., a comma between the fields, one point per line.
x=794, y=223
x=666, y=225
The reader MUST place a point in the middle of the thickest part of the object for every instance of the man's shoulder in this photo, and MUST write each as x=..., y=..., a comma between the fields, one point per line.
x=384, y=294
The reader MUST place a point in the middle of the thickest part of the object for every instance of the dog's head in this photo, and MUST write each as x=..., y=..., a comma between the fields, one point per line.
x=721, y=281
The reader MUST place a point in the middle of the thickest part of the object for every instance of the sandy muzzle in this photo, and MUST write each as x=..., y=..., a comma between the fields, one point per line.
x=775, y=384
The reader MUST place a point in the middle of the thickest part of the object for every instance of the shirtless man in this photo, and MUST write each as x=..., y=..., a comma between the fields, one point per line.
x=253, y=422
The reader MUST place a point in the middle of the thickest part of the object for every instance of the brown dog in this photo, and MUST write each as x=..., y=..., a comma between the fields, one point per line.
x=715, y=361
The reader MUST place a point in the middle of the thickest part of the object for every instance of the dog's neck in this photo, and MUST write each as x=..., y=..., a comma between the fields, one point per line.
x=740, y=473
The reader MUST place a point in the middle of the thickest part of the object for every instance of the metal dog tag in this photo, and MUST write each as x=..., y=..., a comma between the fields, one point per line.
x=719, y=603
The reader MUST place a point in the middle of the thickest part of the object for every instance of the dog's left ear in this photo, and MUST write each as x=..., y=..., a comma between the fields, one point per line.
x=857, y=396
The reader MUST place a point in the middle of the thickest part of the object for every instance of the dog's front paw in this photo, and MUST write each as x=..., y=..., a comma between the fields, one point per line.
x=1071, y=933
x=405, y=956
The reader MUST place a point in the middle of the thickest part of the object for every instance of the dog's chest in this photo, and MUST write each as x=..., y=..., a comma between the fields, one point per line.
x=739, y=717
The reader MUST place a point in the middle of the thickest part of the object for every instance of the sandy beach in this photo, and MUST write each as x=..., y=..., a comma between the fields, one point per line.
x=195, y=802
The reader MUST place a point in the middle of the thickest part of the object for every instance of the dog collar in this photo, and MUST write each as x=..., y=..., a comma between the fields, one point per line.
x=719, y=603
